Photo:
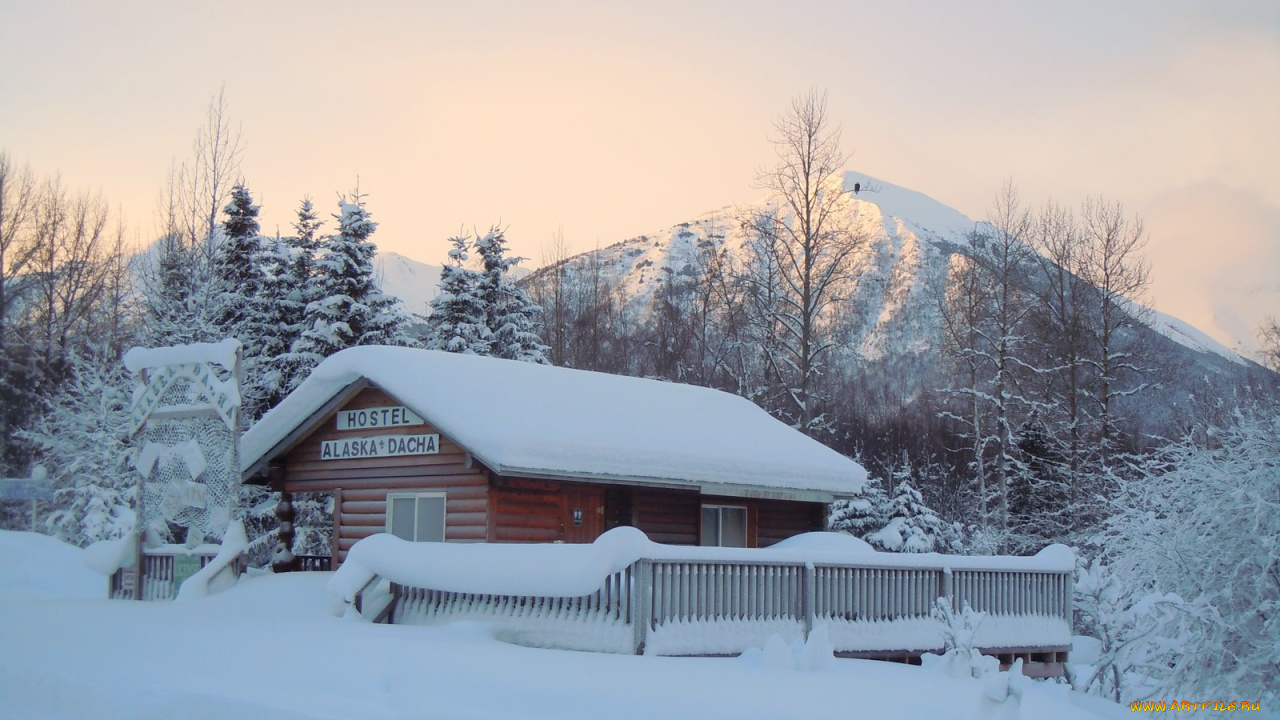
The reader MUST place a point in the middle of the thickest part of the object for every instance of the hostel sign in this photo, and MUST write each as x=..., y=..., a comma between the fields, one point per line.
x=378, y=417
x=381, y=446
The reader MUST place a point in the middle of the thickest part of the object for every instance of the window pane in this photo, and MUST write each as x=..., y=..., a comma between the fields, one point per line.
x=710, y=526
x=430, y=519
x=402, y=517
x=733, y=532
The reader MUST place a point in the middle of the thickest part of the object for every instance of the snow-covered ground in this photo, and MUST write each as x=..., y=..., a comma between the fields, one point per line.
x=271, y=647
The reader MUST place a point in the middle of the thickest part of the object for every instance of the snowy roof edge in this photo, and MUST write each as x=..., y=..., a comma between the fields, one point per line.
x=251, y=468
x=821, y=474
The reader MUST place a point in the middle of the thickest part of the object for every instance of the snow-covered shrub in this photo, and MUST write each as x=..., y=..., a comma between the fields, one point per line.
x=1139, y=634
x=961, y=657
x=1202, y=520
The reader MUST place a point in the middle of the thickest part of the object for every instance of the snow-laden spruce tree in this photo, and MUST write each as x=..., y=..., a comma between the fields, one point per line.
x=300, y=253
x=277, y=328
x=862, y=515
x=511, y=316
x=248, y=270
x=236, y=265
x=83, y=442
x=350, y=308
x=1202, y=520
x=912, y=526
x=457, y=322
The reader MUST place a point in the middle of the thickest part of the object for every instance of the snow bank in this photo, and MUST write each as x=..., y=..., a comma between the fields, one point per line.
x=520, y=417
x=39, y=567
x=837, y=542
x=108, y=556
x=719, y=637
x=268, y=649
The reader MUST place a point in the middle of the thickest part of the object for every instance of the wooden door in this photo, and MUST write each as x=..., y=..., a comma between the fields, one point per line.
x=581, y=513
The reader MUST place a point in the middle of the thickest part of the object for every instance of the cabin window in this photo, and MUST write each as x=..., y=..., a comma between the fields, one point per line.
x=416, y=517
x=724, y=525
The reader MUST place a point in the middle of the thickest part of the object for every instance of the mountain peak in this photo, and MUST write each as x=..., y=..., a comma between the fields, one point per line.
x=910, y=206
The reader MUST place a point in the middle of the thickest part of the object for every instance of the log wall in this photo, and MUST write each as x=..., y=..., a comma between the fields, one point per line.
x=361, y=506
x=667, y=516
x=524, y=511
x=780, y=519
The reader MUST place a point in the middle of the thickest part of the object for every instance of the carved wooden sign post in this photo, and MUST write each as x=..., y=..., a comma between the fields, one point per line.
x=186, y=408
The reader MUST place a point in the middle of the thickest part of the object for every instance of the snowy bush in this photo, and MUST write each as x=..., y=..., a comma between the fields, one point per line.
x=961, y=658
x=1202, y=520
x=1138, y=635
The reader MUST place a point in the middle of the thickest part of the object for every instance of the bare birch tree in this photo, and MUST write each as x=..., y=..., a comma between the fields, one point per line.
x=807, y=234
x=1114, y=265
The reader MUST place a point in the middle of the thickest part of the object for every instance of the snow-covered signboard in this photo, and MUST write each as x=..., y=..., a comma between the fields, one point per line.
x=36, y=487
x=186, y=407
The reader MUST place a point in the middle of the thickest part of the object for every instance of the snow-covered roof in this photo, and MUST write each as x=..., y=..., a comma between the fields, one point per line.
x=534, y=420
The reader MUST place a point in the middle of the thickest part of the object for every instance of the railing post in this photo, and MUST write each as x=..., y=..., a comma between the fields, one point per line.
x=948, y=588
x=641, y=603
x=1069, y=600
x=808, y=595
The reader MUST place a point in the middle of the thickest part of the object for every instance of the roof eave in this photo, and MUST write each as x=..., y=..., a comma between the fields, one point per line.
x=704, y=488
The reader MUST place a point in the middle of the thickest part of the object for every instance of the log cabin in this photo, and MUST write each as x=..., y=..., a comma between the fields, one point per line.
x=435, y=446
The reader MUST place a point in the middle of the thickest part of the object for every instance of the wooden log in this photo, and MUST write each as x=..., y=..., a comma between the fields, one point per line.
x=452, y=493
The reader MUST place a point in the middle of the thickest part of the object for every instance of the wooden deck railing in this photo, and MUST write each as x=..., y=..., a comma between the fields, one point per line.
x=313, y=563
x=691, y=607
x=154, y=578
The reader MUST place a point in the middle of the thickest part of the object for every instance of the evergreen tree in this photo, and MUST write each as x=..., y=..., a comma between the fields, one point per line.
x=912, y=526
x=236, y=265
x=303, y=288
x=864, y=514
x=248, y=271
x=179, y=298
x=511, y=316
x=350, y=310
x=83, y=442
x=278, y=312
x=457, y=321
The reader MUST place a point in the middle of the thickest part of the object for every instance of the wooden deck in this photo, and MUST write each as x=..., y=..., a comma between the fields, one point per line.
x=723, y=607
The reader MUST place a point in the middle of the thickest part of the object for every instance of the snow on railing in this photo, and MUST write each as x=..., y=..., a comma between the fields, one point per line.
x=160, y=572
x=705, y=601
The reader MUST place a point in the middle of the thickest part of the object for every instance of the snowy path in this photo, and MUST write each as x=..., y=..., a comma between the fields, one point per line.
x=270, y=648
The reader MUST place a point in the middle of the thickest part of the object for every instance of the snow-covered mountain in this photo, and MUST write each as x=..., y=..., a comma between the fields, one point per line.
x=912, y=238
x=415, y=283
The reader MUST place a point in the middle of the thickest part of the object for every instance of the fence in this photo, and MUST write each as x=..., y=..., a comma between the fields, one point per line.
x=877, y=608
x=157, y=575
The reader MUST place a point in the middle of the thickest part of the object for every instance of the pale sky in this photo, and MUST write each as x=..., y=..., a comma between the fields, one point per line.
x=613, y=119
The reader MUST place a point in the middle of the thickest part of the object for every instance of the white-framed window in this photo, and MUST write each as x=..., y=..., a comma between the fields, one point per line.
x=724, y=525
x=416, y=516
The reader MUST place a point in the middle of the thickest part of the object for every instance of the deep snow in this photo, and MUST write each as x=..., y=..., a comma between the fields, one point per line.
x=270, y=648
